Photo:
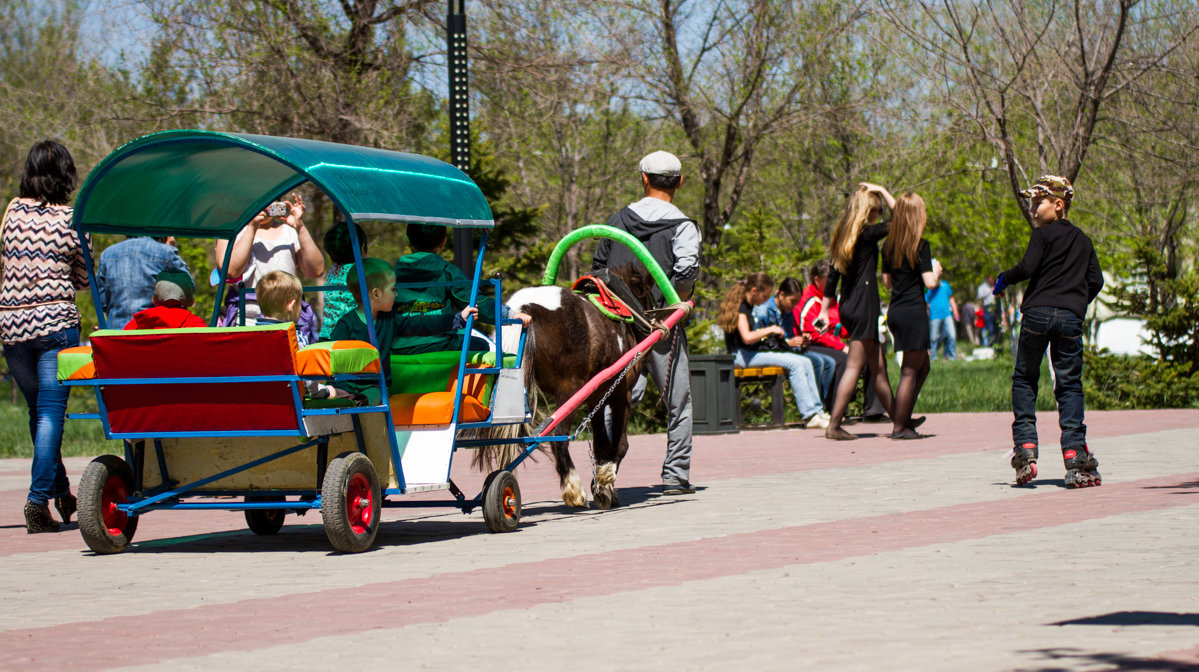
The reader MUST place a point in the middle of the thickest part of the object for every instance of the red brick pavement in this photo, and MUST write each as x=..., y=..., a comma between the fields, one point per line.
x=715, y=458
x=259, y=623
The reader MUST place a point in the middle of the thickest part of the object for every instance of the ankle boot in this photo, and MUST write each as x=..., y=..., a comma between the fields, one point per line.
x=67, y=505
x=38, y=519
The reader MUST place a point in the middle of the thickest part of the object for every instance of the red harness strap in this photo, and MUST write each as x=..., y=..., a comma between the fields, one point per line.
x=589, y=284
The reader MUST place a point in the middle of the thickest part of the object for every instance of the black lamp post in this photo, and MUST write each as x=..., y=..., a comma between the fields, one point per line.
x=455, y=37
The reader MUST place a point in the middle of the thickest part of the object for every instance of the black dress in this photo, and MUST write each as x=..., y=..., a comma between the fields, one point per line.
x=859, y=285
x=908, y=315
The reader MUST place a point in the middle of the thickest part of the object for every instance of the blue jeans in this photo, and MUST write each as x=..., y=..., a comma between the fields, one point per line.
x=1061, y=331
x=942, y=331
x=799, y=372
x=34, y=367
x=825, y=368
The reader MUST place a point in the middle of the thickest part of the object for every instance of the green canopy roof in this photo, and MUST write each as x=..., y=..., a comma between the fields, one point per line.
x=208, y=185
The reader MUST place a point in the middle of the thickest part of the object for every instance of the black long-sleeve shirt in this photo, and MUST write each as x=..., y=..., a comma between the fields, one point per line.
x=1061, y=267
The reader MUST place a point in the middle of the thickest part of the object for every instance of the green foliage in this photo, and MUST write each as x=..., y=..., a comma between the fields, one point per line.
x=80, y=437
x=1118, y=381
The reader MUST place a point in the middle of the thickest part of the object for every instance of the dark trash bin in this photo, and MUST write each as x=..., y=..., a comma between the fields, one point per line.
x=713, y=394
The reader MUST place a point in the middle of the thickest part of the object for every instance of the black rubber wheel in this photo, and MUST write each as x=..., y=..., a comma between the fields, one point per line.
x=107, y=482
x=265, y=521
x=351, y=501
x=501, y=502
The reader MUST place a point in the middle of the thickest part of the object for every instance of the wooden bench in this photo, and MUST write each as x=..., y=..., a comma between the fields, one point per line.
x=761, y=378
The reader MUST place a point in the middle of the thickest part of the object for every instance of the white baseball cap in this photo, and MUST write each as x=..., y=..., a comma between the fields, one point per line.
x=661, y=163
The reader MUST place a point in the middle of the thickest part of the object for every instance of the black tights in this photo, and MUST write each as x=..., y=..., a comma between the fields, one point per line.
x=913, y=371
x=862, y=354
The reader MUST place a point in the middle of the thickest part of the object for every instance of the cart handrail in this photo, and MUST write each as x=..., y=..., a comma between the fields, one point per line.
x=624, y=237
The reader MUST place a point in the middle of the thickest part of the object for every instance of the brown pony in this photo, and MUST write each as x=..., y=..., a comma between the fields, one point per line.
x=569, y=342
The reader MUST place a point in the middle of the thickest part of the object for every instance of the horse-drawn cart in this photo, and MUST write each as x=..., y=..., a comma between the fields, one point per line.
x=216, y=417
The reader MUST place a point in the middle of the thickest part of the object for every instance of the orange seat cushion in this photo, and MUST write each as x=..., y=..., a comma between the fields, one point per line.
x=434, y=408
x=329, y=358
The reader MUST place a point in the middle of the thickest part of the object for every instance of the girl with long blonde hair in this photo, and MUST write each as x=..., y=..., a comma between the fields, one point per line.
x=746, y=343
x=854, y=251
x=908, y=270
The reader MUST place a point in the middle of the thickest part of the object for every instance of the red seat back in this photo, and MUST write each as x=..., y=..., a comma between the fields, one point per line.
x=190, y=353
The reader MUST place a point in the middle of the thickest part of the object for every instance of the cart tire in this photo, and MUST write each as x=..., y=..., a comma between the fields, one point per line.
x=265, y=521
x=107, y=482
x=501, y=502
x=350, y=503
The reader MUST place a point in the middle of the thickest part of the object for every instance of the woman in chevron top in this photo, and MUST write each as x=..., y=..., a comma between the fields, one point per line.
x=42, y=267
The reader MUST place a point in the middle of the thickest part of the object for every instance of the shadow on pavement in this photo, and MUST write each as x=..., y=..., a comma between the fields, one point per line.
x=1191, y=487
x=306, y=534
x=1074, y=659
x=1136, y=618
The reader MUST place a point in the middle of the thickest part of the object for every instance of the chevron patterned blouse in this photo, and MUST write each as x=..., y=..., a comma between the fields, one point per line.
x=42, y=267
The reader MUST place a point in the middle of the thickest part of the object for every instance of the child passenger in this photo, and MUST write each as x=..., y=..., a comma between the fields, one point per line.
x=279, y=298
x=381, y=302
x=341, y=253
x=425, y=265
x=174, y=293
x=1063, y=277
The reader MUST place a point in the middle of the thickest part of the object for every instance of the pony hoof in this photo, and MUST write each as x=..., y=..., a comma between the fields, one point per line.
x=572, y=491
x=574, y=500
x=605, y=498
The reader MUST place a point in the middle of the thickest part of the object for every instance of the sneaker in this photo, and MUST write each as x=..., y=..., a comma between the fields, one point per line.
x=818, y=421
x=38, y=519
x=684, y=488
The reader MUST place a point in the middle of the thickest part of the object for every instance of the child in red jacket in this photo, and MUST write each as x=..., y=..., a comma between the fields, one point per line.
x=174, y=293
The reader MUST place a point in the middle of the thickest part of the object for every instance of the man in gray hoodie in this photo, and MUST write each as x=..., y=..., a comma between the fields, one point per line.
x=674, y=241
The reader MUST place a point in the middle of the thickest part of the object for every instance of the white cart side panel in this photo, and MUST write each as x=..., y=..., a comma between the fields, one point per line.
x=425, y=454
x=508, y=398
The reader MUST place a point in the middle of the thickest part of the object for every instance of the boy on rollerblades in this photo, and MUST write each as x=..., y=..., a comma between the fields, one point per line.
x=1064, y=276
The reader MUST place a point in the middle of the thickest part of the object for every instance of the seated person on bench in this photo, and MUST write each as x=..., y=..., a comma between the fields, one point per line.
x=174, y=293
x=425, y=264
x=380, y=284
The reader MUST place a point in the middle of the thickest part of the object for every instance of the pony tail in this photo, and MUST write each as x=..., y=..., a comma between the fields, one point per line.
x=729, y=306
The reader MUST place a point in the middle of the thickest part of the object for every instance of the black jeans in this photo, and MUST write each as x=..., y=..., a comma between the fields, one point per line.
x=1061, y=331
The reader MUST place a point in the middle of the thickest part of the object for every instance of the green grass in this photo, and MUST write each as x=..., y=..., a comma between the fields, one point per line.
x=982, y=386
x=960, y=386
x=80, y=437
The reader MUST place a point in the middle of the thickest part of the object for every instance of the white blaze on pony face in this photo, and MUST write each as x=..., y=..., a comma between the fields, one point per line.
x=549, y=298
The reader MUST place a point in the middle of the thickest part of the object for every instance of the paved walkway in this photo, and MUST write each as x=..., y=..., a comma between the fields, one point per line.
x=797, y=553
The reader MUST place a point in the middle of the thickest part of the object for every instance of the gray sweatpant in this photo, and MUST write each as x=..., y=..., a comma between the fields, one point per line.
x=676, y=468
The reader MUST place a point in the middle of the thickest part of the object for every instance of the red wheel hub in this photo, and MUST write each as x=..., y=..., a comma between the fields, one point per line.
x=360, y=503
x=115, y=492
x=509, y=500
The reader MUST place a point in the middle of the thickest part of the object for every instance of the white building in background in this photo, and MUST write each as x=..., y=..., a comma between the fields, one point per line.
x=1120, y=334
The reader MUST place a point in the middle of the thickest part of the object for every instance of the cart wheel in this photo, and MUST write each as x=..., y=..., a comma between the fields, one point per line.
x=265, y=521
x=350, y=503
x=107, y=482
x=501, y=502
